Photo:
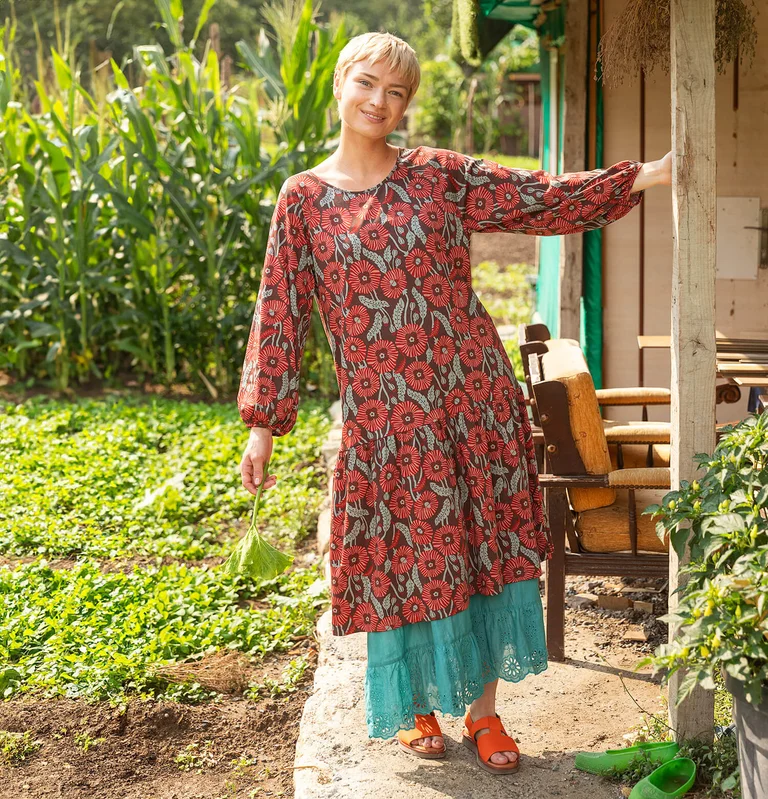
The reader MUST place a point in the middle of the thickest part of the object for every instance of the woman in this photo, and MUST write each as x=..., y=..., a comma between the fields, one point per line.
x=438, y=529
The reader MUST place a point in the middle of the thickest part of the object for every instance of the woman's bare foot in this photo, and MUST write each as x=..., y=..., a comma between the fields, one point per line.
x=435, y=742
x=477, y=710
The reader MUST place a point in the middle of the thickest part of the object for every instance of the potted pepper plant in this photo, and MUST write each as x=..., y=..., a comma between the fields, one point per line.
x=723, y=604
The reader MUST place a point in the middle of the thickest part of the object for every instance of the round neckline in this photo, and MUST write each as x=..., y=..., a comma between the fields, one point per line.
x=400, y=151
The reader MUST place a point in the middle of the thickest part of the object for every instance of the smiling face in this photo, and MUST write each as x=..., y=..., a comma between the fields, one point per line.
x=372, y=98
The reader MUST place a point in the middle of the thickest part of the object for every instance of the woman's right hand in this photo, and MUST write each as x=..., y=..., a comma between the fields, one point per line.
x=258, y=451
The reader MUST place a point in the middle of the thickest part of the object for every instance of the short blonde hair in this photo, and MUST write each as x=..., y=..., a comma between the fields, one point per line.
x=399, y=55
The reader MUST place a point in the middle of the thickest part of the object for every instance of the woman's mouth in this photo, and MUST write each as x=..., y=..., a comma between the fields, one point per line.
x=372, y=117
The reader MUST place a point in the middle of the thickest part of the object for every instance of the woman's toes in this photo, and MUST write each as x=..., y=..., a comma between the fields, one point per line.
x=499, y=758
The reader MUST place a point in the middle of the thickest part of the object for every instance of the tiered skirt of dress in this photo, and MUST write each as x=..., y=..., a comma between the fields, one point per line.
x=444, y=664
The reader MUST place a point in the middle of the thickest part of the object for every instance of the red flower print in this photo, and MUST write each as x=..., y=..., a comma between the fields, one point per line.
x=461, y=597
x=495, y=445
x=437, y=247
x=432, y=215
x=408, y=461
x=516, y=569
x=365, y=207
x=412, y=340
x=431, y=563
x=419, y=187
x=460, y=295
x=355, y=350
x=501, y=410
x=471, y=353
x=456, y=402
x=421, y=533
x=507, y=196
x=265, y=391
x=400, y=503
x=476, y=534
x=570, y=210
x=436, y=594
x=273, y=312
x=340, y=612
x=339, y=582
x=402, y=560
x=377, y=550
x=357, y=485
x=380, y=584
x=437, y=290
x=426, y=505
x=527, y=535
x=364, y=277
x=295, y=229
x=443, y=350
x=272, y=360
x=366, y=382
x=393, y=283
x=460, y=320
x=596, y=192
x=418, y=263
x=382, y=356
x=336, y=220
x=374, y=236
x=482, y=331
x=450, y=159
x=419, y=375
x=521, y=505
x=435, y=466
x=333, y=277
x=389, y=623
x=502, y=515
x=406, y=417
x=323, y=245
x=475, y=479
x=389, y=478
x=372, y=415
x=478, y=385
x=479, y=203
x=488, y=508
x=414, y=610
x=447, y=539
x=366, y=618
x=354, y=559
x=399, y=214
x=357, y=320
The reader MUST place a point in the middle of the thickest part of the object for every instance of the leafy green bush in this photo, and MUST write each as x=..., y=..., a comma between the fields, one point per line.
x=126, y=476
x=81, y=632
x=723, y=606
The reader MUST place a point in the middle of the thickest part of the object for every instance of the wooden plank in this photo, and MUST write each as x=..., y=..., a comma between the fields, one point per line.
x=743, y=369
x=692, y=32
x=759, y=382
x=574, y=159
x=653, y=342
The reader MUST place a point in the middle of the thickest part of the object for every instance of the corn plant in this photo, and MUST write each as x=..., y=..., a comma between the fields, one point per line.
x=133, y=220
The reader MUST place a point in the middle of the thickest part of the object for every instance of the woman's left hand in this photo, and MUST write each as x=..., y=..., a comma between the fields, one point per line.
x=654, y=173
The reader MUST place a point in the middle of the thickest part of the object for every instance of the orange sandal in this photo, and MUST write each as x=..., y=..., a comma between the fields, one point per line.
x=495, y=740
x=426, y=726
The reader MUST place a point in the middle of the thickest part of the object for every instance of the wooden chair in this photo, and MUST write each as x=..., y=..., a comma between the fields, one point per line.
x=630, y=444
x=591, y=504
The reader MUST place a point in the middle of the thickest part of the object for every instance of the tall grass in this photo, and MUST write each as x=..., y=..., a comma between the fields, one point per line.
x=134, y=218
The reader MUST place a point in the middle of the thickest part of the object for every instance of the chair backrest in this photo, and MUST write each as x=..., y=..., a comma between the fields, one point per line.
x=564, y=390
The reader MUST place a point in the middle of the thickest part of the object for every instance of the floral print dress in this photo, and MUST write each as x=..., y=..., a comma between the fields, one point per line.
x=435, y=492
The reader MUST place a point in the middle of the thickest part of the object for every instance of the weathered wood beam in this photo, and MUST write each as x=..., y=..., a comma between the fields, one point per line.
x=693, y=348
x=574, y=158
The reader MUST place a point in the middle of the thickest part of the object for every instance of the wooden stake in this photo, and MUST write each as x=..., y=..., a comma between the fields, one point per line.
x=574, y=159
x=693, y=288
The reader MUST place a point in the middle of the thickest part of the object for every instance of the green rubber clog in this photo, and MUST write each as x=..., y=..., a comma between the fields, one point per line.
x=603, y=762
x=670, y=780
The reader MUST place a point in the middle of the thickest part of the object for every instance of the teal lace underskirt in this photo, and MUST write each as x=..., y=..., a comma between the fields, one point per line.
x=444, y=665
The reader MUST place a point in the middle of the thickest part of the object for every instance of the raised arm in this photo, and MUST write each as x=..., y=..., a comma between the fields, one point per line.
x=269, y=385
x=500, y=198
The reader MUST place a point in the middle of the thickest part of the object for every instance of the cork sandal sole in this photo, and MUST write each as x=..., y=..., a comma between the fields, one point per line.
x=426, y=727
x=471, y=744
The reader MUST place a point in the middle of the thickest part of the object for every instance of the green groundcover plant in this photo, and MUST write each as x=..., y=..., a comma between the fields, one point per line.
x=723, y=606
x=126, y=476
x=83, y=632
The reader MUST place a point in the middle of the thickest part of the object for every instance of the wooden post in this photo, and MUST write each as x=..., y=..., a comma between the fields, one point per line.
x=574, y=159
x=693, y=288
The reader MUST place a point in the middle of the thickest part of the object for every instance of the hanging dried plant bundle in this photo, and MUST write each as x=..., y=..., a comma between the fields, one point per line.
x=639, y=38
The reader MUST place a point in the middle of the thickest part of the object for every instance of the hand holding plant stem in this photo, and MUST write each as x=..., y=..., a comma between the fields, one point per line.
x=254, y=556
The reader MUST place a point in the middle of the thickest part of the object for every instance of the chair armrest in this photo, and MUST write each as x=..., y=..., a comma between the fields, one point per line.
x=639, y=478
x=573, y=480
x=639, y=395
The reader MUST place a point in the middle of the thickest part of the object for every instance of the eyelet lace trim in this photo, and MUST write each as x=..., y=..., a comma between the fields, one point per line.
x=444, y=665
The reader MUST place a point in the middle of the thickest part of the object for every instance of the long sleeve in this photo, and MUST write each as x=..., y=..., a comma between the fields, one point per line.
x=499, y=198
x=269, y=385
